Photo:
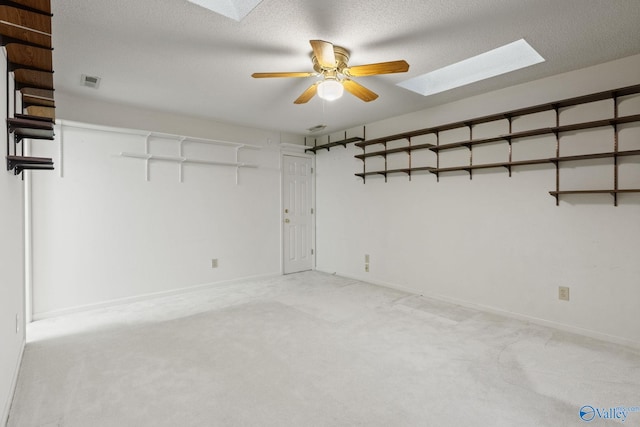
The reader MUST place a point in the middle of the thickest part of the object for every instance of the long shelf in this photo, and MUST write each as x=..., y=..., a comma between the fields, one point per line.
x=611, y=191
x=330, y=145
x=402, y=170
x=508, y=137
x=549, y=160
x=408, y=149
x=600, y=96
x=178, y=159
x=20, y=163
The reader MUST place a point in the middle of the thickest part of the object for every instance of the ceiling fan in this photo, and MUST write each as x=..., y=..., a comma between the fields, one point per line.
x=332, y=64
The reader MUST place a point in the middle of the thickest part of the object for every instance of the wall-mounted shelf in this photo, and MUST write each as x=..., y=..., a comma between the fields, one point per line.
x=181, y=159
x=22, y=26
x=20, y=163
x=175, y=159
x=37, y=6
x=509, y=138
x=25, y=33
x=330, y=144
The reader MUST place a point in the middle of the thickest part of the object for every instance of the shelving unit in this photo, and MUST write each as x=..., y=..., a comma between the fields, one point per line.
x=330, y=144
x=180, y=159
x=25, y=33
x=510, y=138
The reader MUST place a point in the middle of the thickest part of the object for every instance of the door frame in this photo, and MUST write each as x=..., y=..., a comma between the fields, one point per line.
x=313, y=204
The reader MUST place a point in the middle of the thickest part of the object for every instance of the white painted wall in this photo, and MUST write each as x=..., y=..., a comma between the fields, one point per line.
x=497, y=242
x=103, y=233
x=12, y=279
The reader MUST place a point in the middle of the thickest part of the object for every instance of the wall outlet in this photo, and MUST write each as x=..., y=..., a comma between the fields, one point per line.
x=214, y=263
x=366, y=258
x=563, y=293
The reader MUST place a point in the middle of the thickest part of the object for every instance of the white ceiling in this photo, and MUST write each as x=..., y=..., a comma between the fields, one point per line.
x=172, y=55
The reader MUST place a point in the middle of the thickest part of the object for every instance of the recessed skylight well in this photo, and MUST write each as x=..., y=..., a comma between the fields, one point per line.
x=234, y=9
x=502, y=60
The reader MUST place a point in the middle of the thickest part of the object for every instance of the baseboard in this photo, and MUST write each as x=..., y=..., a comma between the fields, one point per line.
x=12, y=390
x=510, y=314
x=145, y=297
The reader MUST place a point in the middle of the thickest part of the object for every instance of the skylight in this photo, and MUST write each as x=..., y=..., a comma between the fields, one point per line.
x=234, y=9
x=502, y=60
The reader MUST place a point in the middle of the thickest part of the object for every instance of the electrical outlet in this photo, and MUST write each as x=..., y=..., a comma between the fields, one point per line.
x=563, y=293
x=366, y=258
x=214, y=263
x=366, y=268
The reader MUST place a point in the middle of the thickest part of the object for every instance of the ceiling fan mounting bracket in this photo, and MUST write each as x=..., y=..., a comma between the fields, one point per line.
x=342, y=61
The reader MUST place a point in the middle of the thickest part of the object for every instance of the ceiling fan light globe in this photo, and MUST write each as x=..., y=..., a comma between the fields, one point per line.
x=330, y=90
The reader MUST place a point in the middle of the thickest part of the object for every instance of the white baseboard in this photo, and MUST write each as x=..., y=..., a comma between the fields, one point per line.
x=144, y=297
x=12, y=390
x=510, y=314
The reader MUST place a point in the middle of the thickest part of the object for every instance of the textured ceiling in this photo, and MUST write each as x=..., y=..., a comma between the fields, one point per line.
x=172, y=55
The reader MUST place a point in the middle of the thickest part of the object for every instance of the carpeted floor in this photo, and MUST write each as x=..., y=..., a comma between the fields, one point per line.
x=313, y=349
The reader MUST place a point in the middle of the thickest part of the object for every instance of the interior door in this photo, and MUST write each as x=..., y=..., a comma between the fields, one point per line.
x=297, y=214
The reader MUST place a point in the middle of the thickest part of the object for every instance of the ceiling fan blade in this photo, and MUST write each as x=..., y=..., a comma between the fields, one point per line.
x=307, y=94
x=324, y=53
x=358, y=90
x=266, y=75
x=380, y=68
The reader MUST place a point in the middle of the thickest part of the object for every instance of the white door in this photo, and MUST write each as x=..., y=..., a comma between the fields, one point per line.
x=297, y=214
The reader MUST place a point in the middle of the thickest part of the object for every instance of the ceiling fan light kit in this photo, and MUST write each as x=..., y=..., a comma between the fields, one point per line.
x=331, y=64
x=330, y=89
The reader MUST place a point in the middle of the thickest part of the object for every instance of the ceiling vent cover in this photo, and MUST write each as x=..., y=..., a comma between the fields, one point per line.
x=90, y=81
x=316, y=128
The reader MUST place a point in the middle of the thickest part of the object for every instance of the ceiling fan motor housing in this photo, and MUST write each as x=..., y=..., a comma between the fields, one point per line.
x=342, y=61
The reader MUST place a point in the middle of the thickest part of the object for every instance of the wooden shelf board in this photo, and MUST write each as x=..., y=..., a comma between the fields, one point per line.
x=32, y=78
x=521, y=162
x=343, y=142
x=37, y=6
x=612, y=191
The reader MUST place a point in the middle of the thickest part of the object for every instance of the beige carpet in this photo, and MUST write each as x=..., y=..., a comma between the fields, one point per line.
x=313, y=349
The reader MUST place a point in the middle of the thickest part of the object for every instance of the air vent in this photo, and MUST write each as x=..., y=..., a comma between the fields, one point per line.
x=316, y=128
x=90, y=81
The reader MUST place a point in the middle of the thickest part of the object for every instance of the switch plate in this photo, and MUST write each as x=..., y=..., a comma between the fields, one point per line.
x=563, y=293
x=214, y=263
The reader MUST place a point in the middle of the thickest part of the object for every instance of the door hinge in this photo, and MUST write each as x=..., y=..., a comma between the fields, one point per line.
x=311, y=210
x=311, y=170
x=311, y=251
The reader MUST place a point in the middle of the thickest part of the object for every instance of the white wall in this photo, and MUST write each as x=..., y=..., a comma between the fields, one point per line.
x=12, y=280
x=103, y=233
x=497, y=242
